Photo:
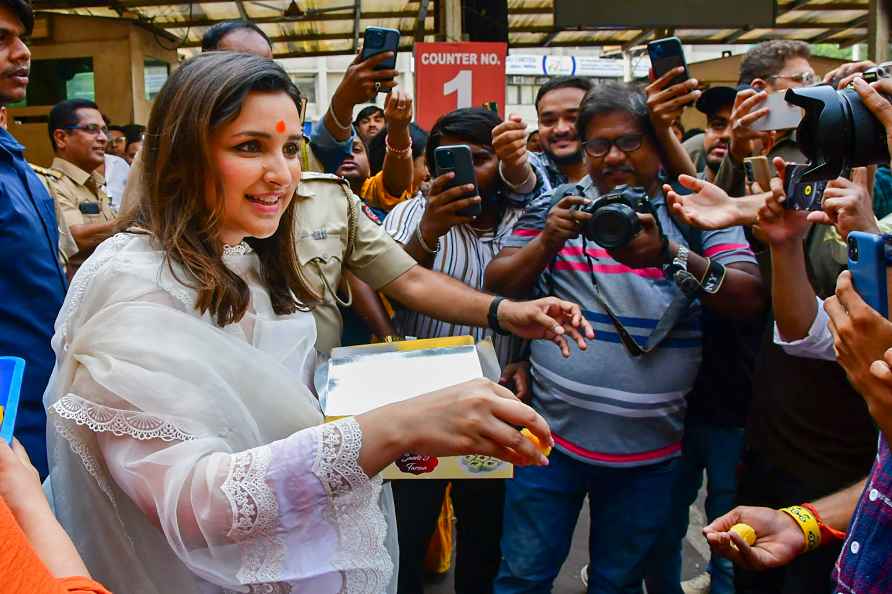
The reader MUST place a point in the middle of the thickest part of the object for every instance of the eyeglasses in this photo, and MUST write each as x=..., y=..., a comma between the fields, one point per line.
x=806, y=77
x=91, y=129
x=628, y=143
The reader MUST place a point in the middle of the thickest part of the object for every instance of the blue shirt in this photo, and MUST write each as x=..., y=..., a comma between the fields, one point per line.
x=330, y=152
x=33, y=286
x=865, y=563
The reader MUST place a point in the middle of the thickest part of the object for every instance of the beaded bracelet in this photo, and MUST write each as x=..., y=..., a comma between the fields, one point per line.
x=402, y=153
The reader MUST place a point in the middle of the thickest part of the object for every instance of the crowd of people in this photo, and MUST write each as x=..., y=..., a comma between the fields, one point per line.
x=176, y=287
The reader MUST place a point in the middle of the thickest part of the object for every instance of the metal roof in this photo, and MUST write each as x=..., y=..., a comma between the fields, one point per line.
x=325, y=27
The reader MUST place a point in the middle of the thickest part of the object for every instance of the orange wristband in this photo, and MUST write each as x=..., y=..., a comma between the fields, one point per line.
x=828, y=534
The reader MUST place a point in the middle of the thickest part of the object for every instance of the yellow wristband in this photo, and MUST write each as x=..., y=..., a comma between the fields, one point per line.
x=808, y=523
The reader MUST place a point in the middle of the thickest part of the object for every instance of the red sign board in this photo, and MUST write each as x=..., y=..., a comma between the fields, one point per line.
x=449, y=76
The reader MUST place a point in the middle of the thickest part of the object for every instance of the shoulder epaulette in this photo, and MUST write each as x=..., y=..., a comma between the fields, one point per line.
x=318, y=176
x=46, y=171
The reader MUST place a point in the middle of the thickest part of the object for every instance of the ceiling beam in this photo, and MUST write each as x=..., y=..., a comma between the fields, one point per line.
x=242, y=13
x=357, y=13
x=419, y=24
x=205, y=22
x=827, y=36
x=790, y=26
x=638, y=39
x=550, y=37
x=298, y=38
x=310, y=54
x=618, y=42
x=733, y=37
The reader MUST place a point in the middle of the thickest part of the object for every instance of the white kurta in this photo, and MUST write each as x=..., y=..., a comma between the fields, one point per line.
x=190, y=458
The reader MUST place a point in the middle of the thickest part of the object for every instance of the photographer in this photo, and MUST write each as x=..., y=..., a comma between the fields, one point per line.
x=767, y=68
x=617, y=412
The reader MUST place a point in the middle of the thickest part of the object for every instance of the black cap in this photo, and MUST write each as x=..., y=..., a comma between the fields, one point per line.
x=715, y=98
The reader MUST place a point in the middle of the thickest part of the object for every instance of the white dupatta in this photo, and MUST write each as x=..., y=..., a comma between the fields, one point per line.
x=191, y=458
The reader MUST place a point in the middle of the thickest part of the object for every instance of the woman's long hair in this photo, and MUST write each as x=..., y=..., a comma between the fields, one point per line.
x=203, y=94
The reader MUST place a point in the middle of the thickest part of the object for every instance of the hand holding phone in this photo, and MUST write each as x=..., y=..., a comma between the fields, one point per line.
x=758, y=171
x=458, y=160
x=379, y=40
x=781, y=115
x=666, y=54
x=870, y=269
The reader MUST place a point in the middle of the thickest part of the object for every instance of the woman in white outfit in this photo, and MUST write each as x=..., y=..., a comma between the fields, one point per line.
x=188, y=450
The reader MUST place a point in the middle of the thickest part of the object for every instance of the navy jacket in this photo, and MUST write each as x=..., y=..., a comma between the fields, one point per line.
x=32, y=288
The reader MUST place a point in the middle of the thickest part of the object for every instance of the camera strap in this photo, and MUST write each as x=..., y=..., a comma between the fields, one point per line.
x=678, y=307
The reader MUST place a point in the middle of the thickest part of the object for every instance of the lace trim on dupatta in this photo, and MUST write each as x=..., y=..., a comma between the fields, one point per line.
x=353, y=509
x=132, y=423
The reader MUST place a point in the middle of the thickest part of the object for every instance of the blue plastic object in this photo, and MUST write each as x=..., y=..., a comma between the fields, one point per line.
x=11, y=371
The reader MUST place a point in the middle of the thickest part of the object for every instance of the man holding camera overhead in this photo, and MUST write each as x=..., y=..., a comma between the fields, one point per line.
x=616, y=410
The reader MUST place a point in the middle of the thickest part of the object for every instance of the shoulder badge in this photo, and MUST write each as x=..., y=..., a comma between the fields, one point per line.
x=46, y=172
x=317, y=176
x=371, y=214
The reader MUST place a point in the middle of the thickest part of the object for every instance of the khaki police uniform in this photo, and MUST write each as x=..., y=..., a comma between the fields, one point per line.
x=78, y=191
x=67, y=245
x=332, y=233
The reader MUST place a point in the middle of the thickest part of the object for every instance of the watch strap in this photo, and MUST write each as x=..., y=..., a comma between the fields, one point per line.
x=714, y=277
x=492, y=317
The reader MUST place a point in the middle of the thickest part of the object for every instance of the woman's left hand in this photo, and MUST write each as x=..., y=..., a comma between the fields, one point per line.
x=549, y=318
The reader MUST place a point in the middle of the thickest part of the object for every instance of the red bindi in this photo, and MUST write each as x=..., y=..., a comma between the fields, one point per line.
x=280, y=126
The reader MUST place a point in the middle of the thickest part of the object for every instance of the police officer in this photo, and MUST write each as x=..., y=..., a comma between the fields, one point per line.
x=79, y=137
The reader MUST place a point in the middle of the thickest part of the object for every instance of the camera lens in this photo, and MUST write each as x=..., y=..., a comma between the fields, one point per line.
x=613, y=226
x=853, y=250
x=837, y=132
x=446, y=160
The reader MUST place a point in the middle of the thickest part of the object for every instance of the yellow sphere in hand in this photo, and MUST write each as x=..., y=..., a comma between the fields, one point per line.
x=746, y=532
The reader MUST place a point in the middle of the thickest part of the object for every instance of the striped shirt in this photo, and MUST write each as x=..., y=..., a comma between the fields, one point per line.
x=464, y=255
x=603, y=405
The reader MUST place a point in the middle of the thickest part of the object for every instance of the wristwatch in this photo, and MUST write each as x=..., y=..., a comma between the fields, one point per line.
x=677, y=271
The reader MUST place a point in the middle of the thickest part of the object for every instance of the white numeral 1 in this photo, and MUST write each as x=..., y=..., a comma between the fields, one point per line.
x=461, y=85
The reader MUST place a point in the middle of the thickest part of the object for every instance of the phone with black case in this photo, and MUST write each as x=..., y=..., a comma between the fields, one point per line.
x=377, y=40
x=457, y=158
x=666, y=54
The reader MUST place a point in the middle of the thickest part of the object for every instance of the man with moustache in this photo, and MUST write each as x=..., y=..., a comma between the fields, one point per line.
x=716, y=103
x=79, y=136
x=617, y=409
x=561, y=161
x=31, y=278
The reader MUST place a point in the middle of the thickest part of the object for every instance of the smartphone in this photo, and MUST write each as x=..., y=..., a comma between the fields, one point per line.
x=758, y=171
x=377, y=40
x=457, y=158
x=781, y=115
x=869, y=266
x=492, y=106
x=12, y=369
x=802, y=195
x=666, y=54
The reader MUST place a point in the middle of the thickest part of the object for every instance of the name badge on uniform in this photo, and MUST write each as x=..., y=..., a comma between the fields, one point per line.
x=89, y=208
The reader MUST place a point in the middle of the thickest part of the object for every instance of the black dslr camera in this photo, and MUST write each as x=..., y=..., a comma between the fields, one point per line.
x=838, y=132
x=614, y=219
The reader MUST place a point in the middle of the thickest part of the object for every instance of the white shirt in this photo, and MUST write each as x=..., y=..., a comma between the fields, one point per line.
x=116, y=172
x=817, y=344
